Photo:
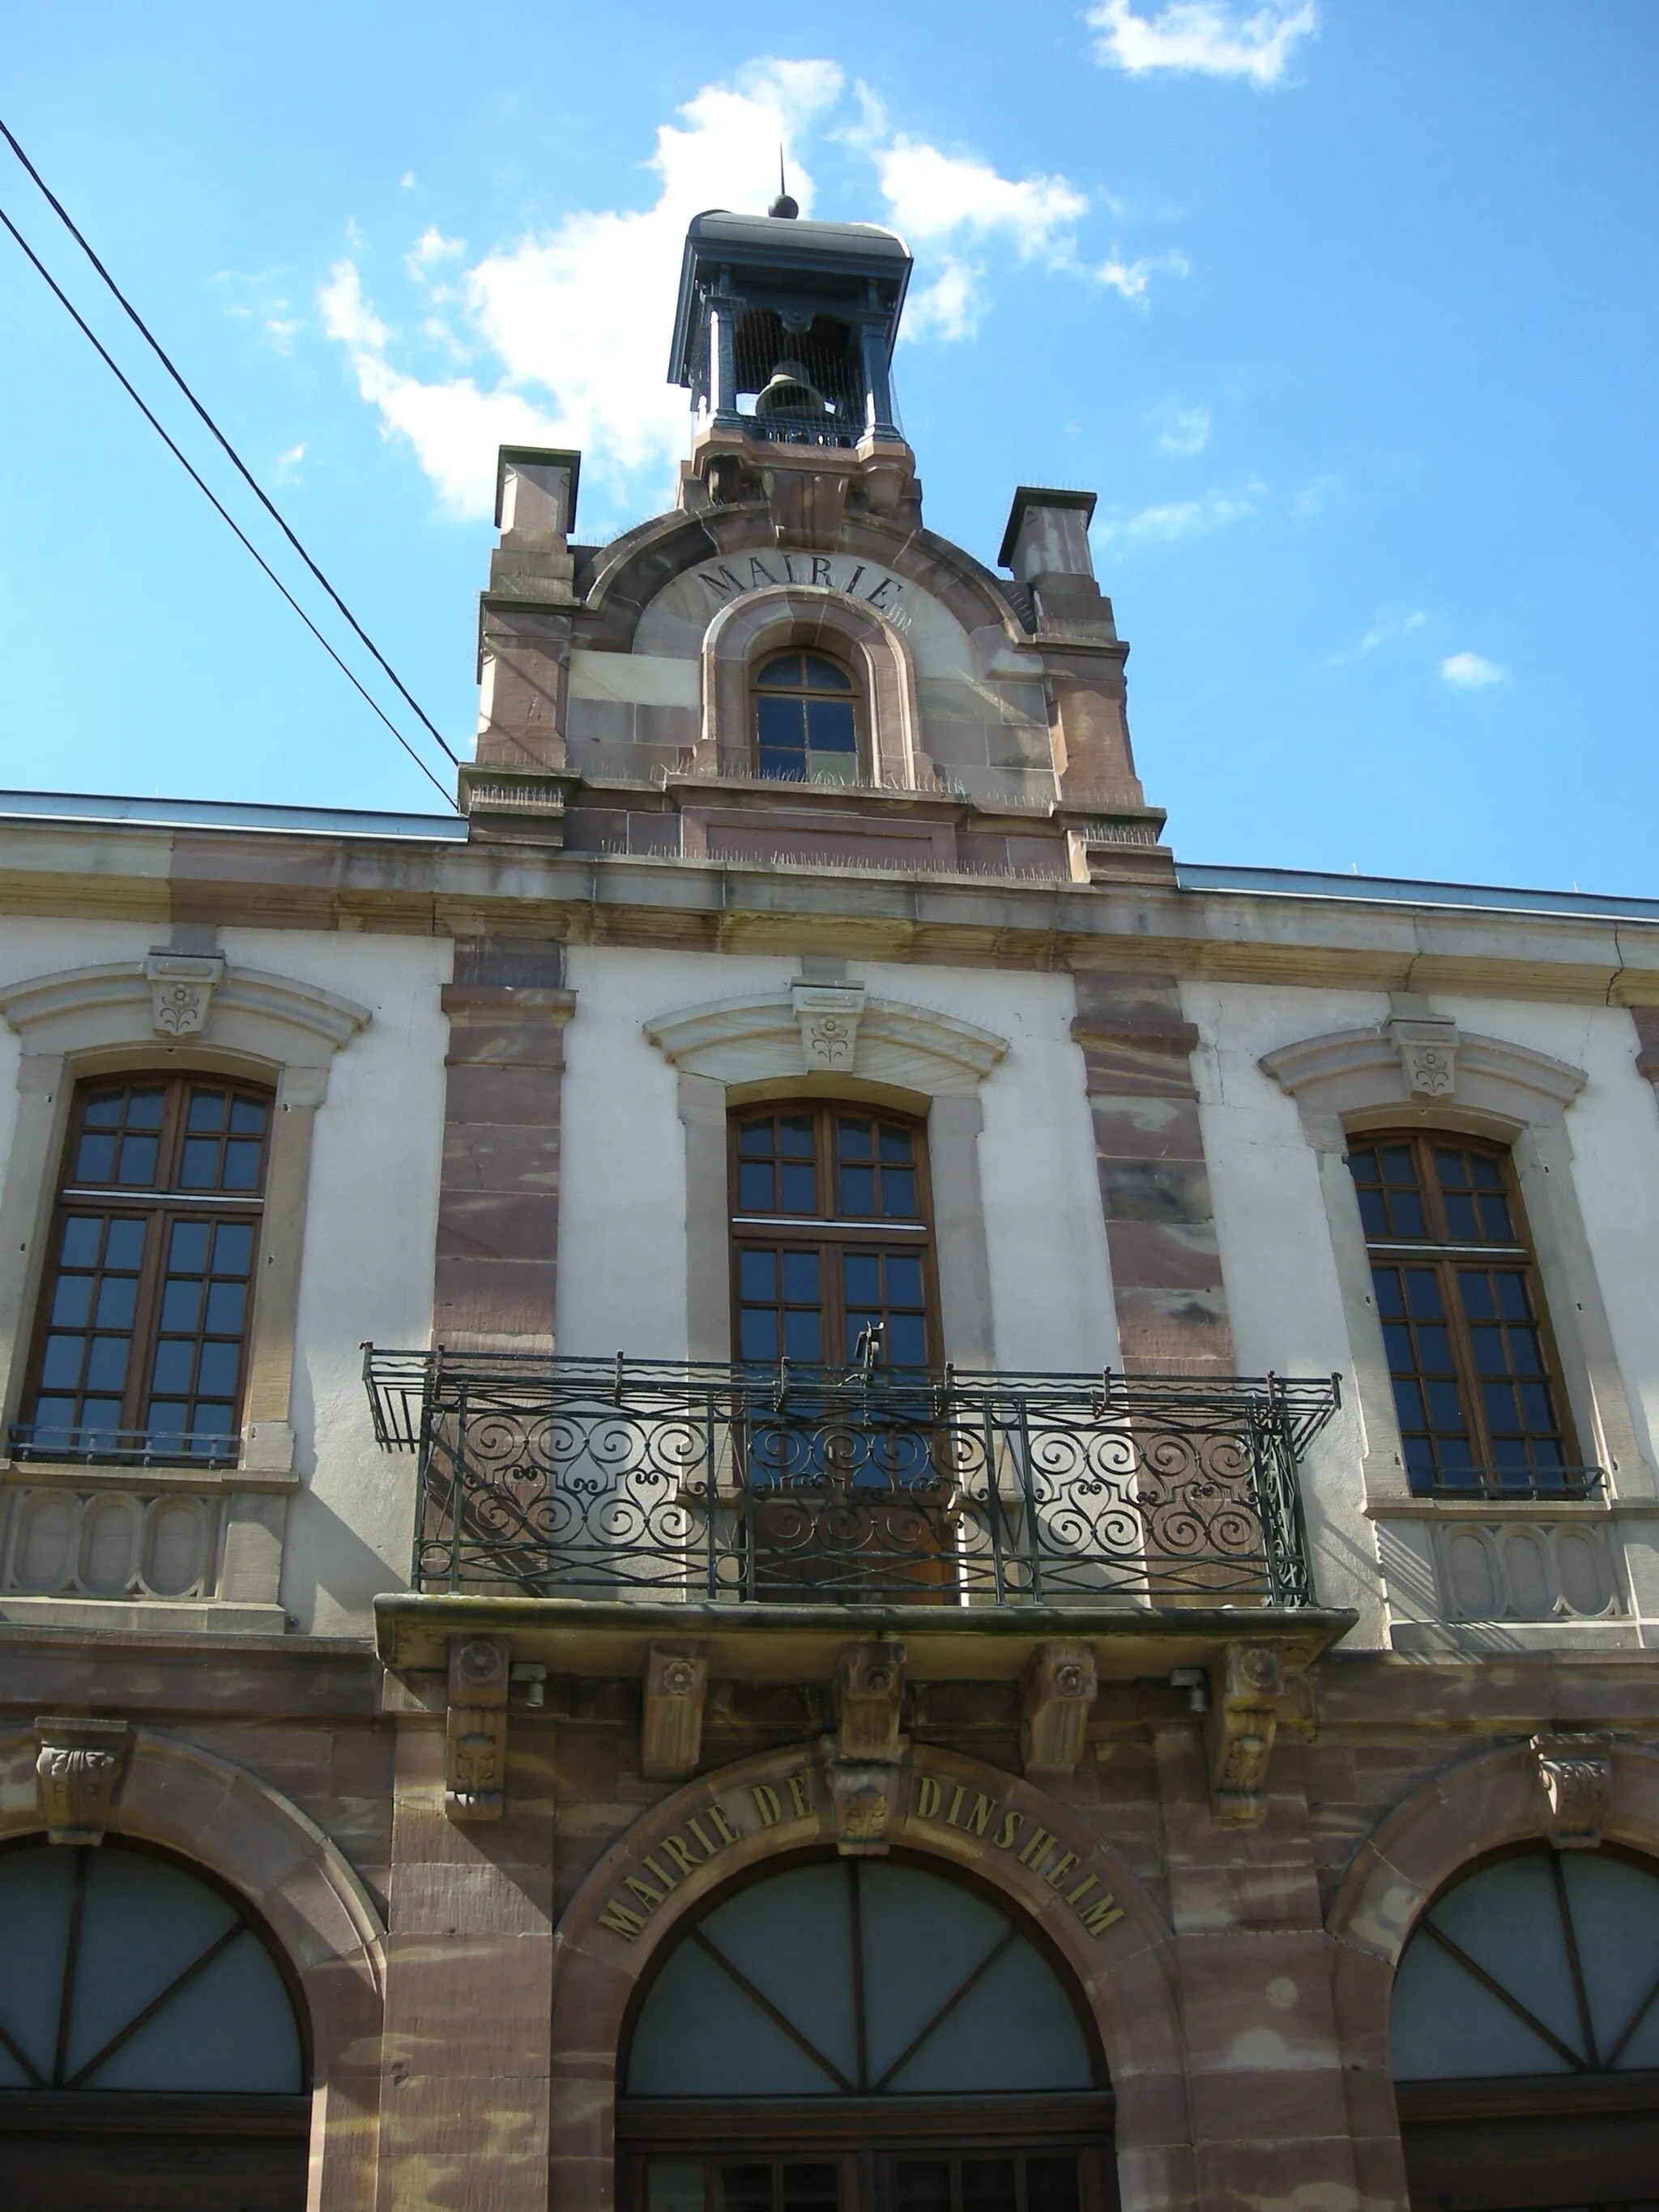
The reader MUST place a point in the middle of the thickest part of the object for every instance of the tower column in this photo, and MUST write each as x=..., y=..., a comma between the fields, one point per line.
x=722, y=358
x=877, y=389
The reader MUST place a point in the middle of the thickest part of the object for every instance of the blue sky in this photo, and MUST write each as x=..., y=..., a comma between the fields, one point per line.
x=1346, y=312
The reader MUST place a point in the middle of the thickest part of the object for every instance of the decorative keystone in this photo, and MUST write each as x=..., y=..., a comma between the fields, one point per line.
x=670, y=1725
x=829, y=1017
x=1428, y=1053
x=1057, y=1694
x=1239, y=1730
x=864, y=1800
x=77, y=1773
x=181, y=987
x=475, y=1729
x=869, y=1691
x=1575, y=1774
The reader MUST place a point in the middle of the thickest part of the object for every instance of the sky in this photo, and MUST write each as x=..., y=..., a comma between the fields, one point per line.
x=1346, y=310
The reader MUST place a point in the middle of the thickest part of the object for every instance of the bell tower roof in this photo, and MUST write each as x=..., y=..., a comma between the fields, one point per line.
x=778, y=264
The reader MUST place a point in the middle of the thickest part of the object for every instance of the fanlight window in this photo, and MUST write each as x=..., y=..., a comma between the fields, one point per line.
x=805, y=719
x=1546, y=1963
x=861, y=1977
x=120, y=1969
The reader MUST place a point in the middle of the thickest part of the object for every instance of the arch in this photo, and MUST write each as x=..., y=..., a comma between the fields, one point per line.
x=778, y=1802
x=761, y=623
x=221, y=1817
x=1419, y=1070
x=177, y=1011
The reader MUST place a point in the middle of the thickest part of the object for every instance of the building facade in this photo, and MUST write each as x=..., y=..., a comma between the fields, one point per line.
x=780, y=1477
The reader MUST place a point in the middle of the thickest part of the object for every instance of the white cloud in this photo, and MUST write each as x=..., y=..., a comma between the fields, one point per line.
x=1314, y=497
x=1182, y=519
x=407, y=180
x=565, y=333
x=1387, y=625
x=1471, y=671
x=430, y=248
x=1208, y=38
x=1183, y=431
x=288, y=463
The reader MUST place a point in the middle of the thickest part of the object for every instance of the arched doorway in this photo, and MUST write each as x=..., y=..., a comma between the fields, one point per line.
x=1524, y=2036
x=151, y=2055
x=861, y=2035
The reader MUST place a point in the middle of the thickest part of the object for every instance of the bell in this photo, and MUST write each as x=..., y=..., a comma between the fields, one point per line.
x=789, y=392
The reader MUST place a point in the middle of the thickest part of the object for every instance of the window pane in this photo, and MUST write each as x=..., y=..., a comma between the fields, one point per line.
x=858, y=1190
x=171, y=1372
x=232, y=1248
x=755, y=1192
x=1478, y=1302
x=181, y=1305
x=904, y=1279
x=757, y=1333
x=187, y=1252
x=104, y=1112
x=144, y=1110
x=1390, y=1299
x=800, y=1194
x=1406, y=1218
x=124, y=1248
x=861, y=1277
x=757, y=1275
x=907, y=1341
x=1461, y=1222
x=207, y=1110
x=822, y=675
x=987, y=2184
x=1051, y=2185
x=247, y=1117
x=242, y=1164
x=829, y=727
x=1495, y=1218
x=803, y=1335
x=1423, y=1293
x=854, y=1140
x=71, y=1305
x=118, y=1299
x=95, y=1160
x=755, y=1141
x=795, y=1137
x=922, y=2184
x=800, y=1278
x=894, y=1143
x=1373, y=1212
x=225, y=1304
x=82, y=1235
x=216, y=1374
x=1512, y=1301
x=1397, y=1165
x=898, y=1193
x=785, y=670
x=61, y=1368
x=138, y=1165
x=106, y=1363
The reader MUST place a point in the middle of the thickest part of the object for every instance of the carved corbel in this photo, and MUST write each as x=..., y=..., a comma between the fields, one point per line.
x=181, y=987
x=475, y=1729
x=671, y=1722
x=1249, y=1686
x=1427, y=1046
x=829, y=1016
x=1574, y=1773
x=77, y=1773
x=1057, y=1695
x=869, y=1691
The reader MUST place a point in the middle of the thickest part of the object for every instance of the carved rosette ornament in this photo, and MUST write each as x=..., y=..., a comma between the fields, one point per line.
x=1574, y=1773
x=829, y=1017
x=78, y=1774
x=671, y=1720
x=1428, y=1054
x=1239, y=1730
x=475, y=1729
x=181, y=986
x=1057, y=1695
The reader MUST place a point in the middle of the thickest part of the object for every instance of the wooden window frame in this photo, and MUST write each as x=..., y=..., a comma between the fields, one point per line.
x=863, y=749
x=826, y=1232
x=161, y=1204
x=1446, y=1254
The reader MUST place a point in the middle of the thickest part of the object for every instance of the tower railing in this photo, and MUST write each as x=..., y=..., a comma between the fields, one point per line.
x=840, y=1485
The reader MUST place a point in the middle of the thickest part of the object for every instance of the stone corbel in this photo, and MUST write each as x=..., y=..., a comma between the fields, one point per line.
x=77, y=1773
x=1057, y=1695
x=1574, y=1773
x=1248, y=1688
x=864, y=1768
x=475, y=1729
x=829, y=1017
x=181, y=987
x=671, y=1720
x=1427, y=1046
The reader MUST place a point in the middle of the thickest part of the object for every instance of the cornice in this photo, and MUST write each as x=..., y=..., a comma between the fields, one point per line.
x=316, y=881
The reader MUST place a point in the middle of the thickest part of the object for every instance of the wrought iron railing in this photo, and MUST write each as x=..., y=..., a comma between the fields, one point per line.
x=659, y=1480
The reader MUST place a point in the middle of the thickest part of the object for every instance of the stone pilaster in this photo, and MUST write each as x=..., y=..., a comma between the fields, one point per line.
x=498, y=1207
x=1154, y=1185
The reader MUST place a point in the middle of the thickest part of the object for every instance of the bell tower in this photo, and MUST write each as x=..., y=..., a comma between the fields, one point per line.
x=783, y=335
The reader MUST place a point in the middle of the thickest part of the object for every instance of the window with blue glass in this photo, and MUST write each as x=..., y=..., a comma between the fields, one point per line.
x=832, y=1249
x=141, y=1343
x=806, y=724
x=1475, y=1385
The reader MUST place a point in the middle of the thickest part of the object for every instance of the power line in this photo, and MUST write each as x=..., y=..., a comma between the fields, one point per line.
x=155, y=345
x=109, y=362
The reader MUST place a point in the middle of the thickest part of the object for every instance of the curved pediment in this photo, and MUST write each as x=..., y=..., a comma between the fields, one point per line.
x=828, y=1029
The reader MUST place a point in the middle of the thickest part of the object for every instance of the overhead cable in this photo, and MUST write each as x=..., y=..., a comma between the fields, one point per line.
x=110, y=363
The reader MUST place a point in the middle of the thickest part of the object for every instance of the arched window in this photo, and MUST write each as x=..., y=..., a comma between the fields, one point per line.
x=141, y=1339
x=831, y=1235
x=1524, y=2035
x=1474, y=1373
x=805, y=719
x=145, y=2028
x=862, y=2035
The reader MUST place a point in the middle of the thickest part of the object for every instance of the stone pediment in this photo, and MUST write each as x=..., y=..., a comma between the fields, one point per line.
x=786, y=1033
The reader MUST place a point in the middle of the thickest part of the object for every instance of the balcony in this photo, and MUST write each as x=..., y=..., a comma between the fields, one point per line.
x=658, y=1482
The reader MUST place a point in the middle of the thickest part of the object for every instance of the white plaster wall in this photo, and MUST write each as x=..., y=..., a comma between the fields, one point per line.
x=1283, y=1295
x=623, y=1201
x=371, y=1231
